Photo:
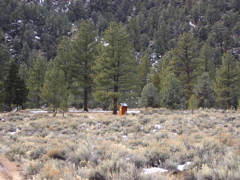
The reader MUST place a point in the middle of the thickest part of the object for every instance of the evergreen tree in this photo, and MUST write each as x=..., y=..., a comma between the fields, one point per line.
x=144, y=69
x=4, y=58
x=76, y=11
x=36, y=79
x=115, y=66
x=203, y=90
x=21, y=93
x=15, y=89
x=220, y=37
x=226, y=83
x=185, y=62
x=134, y=30
x=54, y=89
x=171, y=93
x=2, y=95
x=63, y=58
x=206, y=61
x=83, y=52
x=193, y=102
x=149, y=96
x=63, y=106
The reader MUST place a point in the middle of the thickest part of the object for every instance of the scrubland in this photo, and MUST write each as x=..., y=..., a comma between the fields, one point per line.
x=102, y=146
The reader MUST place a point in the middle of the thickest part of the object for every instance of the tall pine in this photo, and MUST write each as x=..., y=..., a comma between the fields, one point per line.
x=54, y=89
x=83, y=57
x=226, y=83
x=15, y=88
x=144, y=70
x=36, y=79
x=185, y=62
x=115, y=66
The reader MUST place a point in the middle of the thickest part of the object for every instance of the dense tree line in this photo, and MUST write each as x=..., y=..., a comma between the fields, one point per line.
x=158, y=53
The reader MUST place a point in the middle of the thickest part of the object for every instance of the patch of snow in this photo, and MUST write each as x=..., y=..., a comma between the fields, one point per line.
x=158, y=126
x=154, y=170
x=38, y=111
x=183, y=166
x=105, y=44
x=37, y=37
x=125, y=137
x=133, y=111
x=191, y=24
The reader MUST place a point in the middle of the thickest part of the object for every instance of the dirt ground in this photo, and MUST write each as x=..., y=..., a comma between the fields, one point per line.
x=8, y=170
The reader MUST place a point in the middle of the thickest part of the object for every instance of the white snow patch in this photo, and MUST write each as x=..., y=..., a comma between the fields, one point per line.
x=154, y=170
x=105, y=44
x=38, y=111
x=125, y=137
x=191, y=24
x=37, y=37
x=183, y=166
x=158, y=126
x=133, y=111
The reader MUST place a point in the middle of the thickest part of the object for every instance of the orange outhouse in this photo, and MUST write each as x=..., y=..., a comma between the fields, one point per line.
x=122, y=109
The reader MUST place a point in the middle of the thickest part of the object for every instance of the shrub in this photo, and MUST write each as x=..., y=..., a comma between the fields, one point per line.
x=31, y=169
x=56, y=154
x=17, y=149
x=37, y=153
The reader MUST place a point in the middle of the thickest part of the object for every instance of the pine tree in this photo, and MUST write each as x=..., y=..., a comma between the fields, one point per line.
x=149, y=96
x=115, y=66
x=36, y=79
x=15, y=89
x=203, y=90
x=134, y=30
x=185, y=62
x=2, y=95
x=226, y=83
x=171, y=93
x=193, y=102
x=206, y=61
x=83, y=53
x=54, y=89
x=4, y=59
x=63, y=106
x=21, y=93
x=144, y=69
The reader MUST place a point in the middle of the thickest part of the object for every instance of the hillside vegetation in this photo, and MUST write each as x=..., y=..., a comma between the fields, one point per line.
x=97, y=53
x=104, y=146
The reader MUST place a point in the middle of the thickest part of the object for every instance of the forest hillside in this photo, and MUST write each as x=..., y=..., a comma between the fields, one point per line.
x=174, y=54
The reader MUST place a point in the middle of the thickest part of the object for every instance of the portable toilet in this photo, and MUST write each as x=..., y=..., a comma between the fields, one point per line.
x=122, y=109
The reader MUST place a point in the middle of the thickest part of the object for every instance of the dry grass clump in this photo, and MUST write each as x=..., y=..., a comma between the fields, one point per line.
x=104, y=146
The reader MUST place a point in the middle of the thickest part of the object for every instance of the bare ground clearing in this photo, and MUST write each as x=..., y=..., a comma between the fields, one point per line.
x=8, y=170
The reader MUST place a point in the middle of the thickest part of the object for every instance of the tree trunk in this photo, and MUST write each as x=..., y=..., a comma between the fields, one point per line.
x=38, y=101
x=9, y=106
x=115, y=100
x=86, y=99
